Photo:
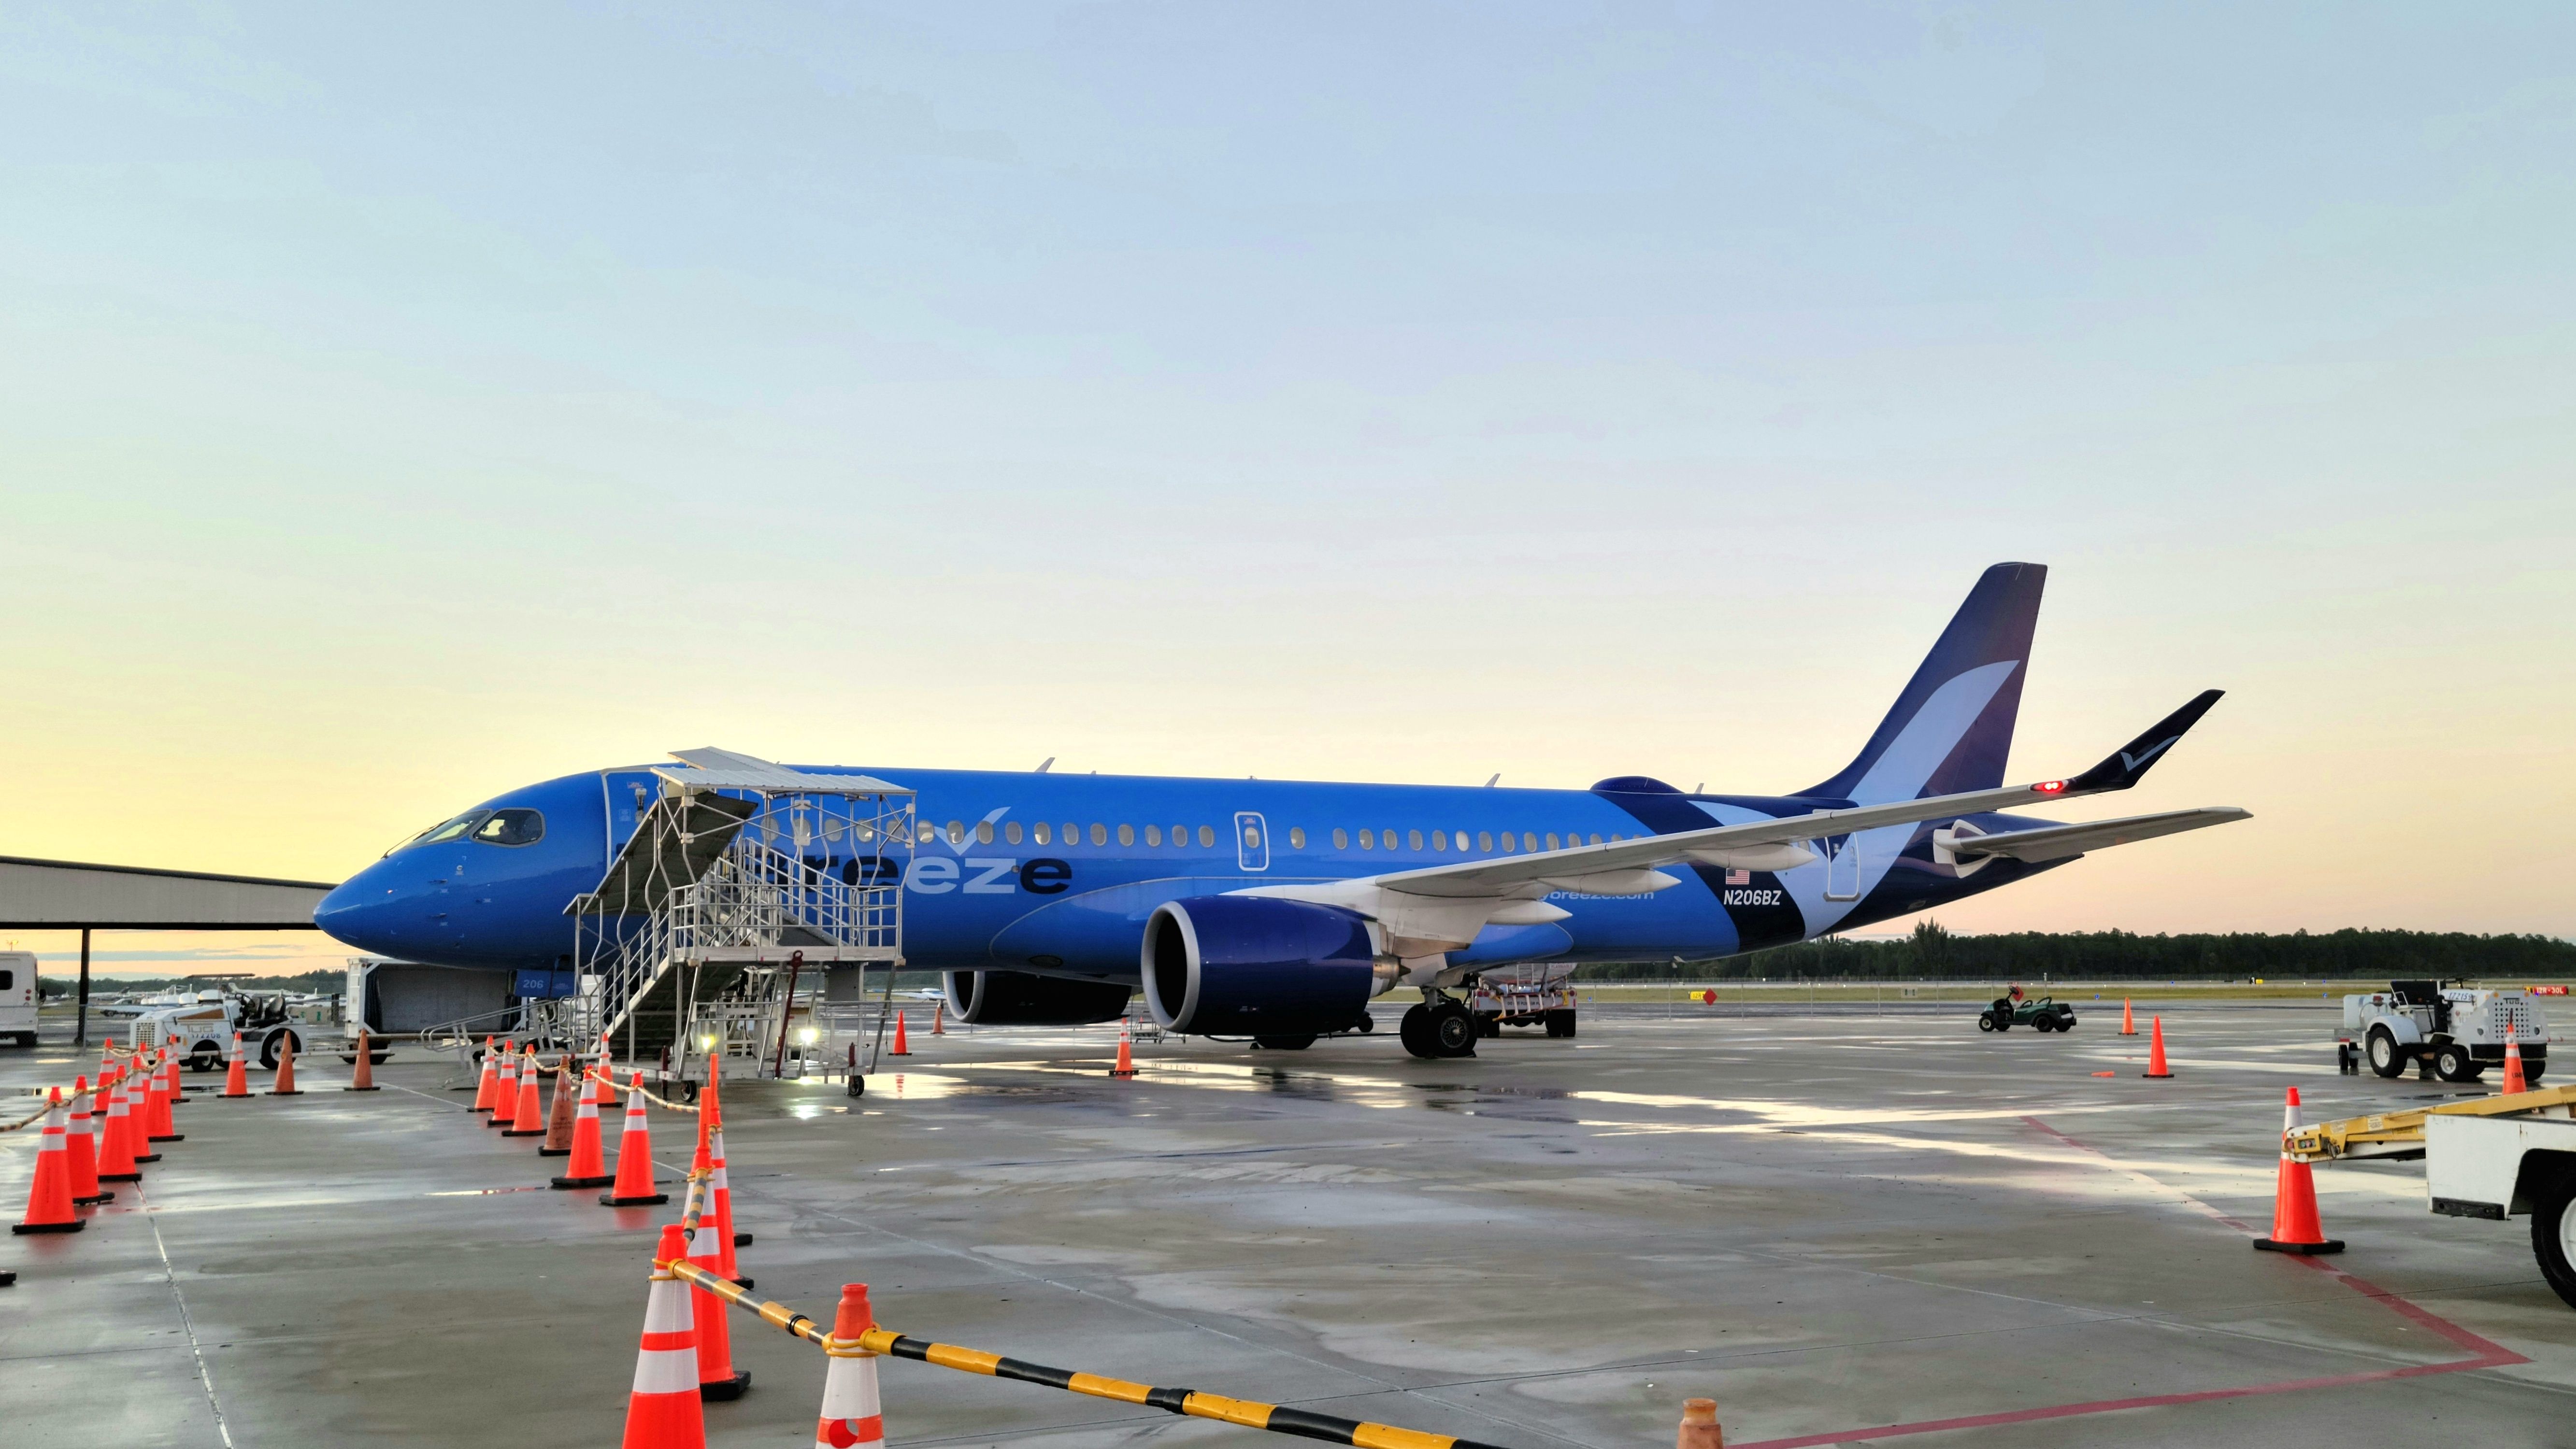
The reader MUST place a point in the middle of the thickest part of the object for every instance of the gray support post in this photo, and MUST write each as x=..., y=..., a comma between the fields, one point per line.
x=80, y=1022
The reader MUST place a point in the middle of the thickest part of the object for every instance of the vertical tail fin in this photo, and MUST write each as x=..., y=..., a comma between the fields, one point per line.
x=1952, y=727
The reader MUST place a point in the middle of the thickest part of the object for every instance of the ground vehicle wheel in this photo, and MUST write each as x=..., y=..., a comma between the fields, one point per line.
x=269, y=1048
x=2451, y=1063
x=1489, y=1023
x=2553, y=1233
x=205, y=1058
x=2066, y=1021
x=1453, y=1030
x=2382, y=1051
x=1560, y=1023
x=1414, y=1029
x=1985, y=1021
x=1286, y=1041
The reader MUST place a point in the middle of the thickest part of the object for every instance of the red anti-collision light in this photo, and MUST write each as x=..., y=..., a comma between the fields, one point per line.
x=2049, y=787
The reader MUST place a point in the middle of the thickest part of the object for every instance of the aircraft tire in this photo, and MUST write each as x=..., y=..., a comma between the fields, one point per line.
x=1453, y=1031
x=1414, y=1030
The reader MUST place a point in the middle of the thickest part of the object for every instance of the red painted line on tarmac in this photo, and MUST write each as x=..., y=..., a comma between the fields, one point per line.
x=2486, y=1354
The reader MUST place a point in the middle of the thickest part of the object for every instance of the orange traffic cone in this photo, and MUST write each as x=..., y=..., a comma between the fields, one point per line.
x=2156, y=1051
x=528, y=1119
x=285, y=1086
x=157, y=1088
x=2295, y=1228
x=720, y=1195
x=902, y=1045
x=116, y=1163
x=853, y=1415
x=49, y=1197
x=1126, y=1053
x=505, y=1092
x=1699, y=1426
x=2513, y=1079
x=81, y=1145
x=588, y=1167
x=2128, y=1022
x=138, y=1138
x=489, y=1083
x=634, y=1186
x=236, y=1072
x=662, y=1411
x=718, y=1380
x=558, y=1141
x=362, y=1075
x=939, y=1017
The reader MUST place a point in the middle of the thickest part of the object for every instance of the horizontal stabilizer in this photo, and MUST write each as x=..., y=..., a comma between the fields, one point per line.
x=2058, y=842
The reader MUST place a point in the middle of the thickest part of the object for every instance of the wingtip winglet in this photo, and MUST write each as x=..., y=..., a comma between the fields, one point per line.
x=2128, y=764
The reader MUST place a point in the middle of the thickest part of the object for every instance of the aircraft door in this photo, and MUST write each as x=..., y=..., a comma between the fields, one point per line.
x=1842, y=867
x=1251, y=840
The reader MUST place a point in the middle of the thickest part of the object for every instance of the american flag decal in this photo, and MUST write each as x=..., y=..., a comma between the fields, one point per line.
x=1739, y=877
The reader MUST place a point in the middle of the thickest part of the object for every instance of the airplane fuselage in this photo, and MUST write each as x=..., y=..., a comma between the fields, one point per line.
x=1058, y=873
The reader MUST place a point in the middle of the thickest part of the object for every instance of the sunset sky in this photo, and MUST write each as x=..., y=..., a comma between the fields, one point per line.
x=401, y=405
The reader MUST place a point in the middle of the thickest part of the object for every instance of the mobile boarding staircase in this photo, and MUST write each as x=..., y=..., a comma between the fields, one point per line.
x=713, y=927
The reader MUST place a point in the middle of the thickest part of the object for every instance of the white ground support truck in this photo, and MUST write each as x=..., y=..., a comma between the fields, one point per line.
x=204, y=1023
x=2458, y=1031
x=2487, y=1157
x=18, y=997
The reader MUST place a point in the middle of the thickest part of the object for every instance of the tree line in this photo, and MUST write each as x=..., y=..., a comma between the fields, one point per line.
x=1934, y=953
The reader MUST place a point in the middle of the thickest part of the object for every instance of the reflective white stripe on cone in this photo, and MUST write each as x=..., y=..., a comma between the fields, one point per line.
x=853, y=1416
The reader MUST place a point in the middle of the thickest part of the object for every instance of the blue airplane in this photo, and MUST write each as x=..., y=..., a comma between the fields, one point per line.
x=1279, y=910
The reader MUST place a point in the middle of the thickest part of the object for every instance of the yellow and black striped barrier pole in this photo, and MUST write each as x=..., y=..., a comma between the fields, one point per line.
x=1250, y=1413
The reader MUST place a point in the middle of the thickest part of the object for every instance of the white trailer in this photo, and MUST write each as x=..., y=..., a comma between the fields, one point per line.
x=2494, y=1157
x=2504, y=1167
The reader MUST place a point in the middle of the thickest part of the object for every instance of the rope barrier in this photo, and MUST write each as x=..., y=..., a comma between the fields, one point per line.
x=1192, y=1403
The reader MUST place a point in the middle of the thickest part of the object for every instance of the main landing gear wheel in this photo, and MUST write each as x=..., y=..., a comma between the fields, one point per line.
x=1454, y=1030
x=1439, y=1029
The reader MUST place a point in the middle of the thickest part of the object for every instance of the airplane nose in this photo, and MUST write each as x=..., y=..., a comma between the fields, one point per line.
x=360, y=912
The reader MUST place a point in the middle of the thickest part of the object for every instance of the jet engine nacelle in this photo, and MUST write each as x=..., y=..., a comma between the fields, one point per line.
x=1256, y=965
x=1017, y=998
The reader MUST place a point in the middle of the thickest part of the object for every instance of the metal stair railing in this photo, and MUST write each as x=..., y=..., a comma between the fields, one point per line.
x=752, y=896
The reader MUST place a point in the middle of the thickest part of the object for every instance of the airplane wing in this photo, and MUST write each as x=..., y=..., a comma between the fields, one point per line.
x=2058, y=842
x=1442, y=907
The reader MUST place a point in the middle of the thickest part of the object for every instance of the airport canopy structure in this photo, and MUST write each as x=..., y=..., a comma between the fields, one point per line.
x=69, y=895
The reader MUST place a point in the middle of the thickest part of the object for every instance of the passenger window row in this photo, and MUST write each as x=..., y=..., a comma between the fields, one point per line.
x=1484, y=842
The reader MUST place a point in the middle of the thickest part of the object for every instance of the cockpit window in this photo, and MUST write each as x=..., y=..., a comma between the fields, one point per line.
x=447, y=830
x=512, y=827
